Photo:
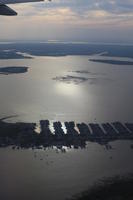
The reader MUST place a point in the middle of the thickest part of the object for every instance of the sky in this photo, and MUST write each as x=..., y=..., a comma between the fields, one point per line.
x=102, y=21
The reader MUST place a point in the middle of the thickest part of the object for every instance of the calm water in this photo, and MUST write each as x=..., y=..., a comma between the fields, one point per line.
x=28, y=174
x=64, y=88
x=107, y=95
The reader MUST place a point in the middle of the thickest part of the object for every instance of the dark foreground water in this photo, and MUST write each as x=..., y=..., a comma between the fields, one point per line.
x=50, y=174
x=64, y=88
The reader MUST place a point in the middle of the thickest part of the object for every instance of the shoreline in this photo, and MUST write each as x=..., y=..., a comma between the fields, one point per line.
x=116, y=188
x=112, y=62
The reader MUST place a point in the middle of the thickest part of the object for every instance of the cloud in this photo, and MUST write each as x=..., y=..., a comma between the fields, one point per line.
x=65, y=17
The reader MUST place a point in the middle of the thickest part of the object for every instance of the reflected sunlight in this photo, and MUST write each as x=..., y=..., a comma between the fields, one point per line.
x=65, y=89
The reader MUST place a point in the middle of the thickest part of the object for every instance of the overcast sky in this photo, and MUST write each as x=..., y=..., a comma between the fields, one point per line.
x=71, y=20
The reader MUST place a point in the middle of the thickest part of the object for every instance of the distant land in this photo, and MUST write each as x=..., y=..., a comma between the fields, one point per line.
x=10, y=50
x=113, y=62
x=13, y=70
x=11, y=54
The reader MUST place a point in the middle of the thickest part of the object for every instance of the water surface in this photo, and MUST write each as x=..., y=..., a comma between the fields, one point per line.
x=67, y=88
x=64, y=88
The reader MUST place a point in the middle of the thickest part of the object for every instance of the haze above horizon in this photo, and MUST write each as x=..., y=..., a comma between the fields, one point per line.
x=76, y=20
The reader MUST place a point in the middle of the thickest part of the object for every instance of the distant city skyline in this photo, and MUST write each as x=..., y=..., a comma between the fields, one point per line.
x=99, y=21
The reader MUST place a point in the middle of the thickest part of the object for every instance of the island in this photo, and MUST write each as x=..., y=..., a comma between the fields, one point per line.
x=112, y=62
x=13, y=70
x=71, y=79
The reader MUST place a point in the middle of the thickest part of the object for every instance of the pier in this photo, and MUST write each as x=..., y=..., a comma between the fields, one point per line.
x=109, y=130
x=121, y=129
x=84, y=130
x=70, y=127
x=58, y=130
x=129, y=126
x=45, y=130
x=96, y=130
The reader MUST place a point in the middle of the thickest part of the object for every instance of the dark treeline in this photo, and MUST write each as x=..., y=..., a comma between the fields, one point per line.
x=62, y=49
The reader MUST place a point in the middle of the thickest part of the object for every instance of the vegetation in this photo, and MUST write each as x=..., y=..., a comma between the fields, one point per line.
x=116, y=188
